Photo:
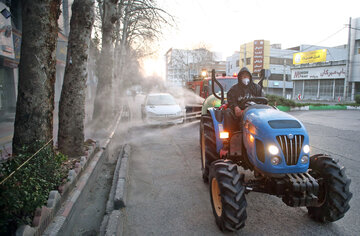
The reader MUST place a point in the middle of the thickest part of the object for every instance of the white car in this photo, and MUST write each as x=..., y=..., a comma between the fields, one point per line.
x=161, y=108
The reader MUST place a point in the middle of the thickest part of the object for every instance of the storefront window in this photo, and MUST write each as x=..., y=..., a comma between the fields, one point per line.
x=310, y=90
x=339, y=88
x=326, y=89
x=298, y=88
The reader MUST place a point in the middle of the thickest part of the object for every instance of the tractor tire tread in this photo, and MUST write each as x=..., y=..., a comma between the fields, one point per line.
x=210, y=145
x=336, y=201
x=232, y=195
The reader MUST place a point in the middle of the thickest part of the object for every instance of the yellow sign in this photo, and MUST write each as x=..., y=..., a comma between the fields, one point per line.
x=309, y=57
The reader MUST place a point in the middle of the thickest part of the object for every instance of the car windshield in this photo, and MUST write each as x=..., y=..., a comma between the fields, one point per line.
x=161, y=99
x=226, y=83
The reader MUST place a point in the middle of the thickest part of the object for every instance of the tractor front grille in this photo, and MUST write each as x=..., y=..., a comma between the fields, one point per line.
x=291, y=147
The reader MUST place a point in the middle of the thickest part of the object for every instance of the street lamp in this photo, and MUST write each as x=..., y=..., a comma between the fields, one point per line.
x=203, y=73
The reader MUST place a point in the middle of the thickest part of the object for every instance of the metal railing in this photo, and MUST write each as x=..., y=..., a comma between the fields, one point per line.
x=193, y=111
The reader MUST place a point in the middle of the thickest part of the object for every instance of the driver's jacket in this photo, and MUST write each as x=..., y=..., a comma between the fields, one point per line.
x=241, y=91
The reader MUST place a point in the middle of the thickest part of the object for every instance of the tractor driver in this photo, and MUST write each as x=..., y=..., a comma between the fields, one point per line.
x=245, y=88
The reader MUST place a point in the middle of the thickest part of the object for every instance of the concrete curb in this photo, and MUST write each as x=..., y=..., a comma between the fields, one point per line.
x=110, y=202
x=120, y=193
x=112, y=223
x=115, y=224
x=45, y=221
x=68, y=207
x=352, y=108
x=45, y=214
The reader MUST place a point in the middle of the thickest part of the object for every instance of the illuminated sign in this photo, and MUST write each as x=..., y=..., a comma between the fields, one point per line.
x=310, y=57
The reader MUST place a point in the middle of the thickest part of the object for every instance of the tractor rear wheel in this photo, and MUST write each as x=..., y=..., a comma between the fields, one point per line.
x=207, y=145
x=334, y=193
x=227, y=195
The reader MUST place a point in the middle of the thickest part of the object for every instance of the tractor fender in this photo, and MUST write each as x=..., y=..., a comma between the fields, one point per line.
x=218, y=121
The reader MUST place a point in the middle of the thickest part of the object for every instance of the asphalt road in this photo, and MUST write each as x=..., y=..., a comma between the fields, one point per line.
x=167, y=196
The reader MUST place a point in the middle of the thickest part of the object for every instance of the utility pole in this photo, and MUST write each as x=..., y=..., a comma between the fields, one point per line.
x=284, y=78
x=347, y=77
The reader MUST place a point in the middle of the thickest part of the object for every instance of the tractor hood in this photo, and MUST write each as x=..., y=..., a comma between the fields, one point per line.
x=265, y=126
x=270, y=120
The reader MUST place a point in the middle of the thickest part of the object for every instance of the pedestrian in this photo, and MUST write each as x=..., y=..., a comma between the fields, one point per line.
x=245, y=88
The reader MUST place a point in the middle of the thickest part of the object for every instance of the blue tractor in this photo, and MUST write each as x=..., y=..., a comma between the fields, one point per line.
x=275, y=147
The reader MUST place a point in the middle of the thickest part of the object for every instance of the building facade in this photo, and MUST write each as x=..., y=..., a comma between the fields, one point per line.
x=260, y=54
x=354, y=58
x=233, y=64
x=320, y=81
x=336, y=77
x=186, y=65
x=10, y=39
x=279, y=82
x=10, y=46
x=323, y=80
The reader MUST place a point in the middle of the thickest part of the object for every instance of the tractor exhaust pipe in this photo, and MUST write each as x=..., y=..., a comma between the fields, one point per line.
x=213, y=81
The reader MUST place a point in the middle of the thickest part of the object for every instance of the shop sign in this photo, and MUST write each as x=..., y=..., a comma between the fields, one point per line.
x=10, y=63
x=258, y=56
x=334, y=72
x=309, y=57
x=6, y=40
x=17, y=44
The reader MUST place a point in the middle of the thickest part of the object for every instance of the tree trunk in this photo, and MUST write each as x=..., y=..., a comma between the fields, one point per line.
x=72, y=101
x=103, y=105
x=37, y=71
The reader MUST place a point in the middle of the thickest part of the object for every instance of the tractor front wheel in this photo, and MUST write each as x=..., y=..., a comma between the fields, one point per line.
x=227, y=195
x=207, y=145
x=334, y=193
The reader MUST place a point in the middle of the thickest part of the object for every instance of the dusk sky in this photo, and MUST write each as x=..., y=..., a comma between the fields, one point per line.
x=224, y=25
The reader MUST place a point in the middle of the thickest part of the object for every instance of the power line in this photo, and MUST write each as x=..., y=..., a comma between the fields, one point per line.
x=19, y=167
x=319, y=41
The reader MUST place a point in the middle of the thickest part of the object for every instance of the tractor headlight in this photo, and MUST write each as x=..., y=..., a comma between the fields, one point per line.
x=273, y=150
x=224, y=135
x=275, y=160
x=251, y=138
x=306, y=149
x=304, y=159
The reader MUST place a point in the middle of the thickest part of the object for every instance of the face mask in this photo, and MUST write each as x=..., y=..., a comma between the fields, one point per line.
x=245, y=81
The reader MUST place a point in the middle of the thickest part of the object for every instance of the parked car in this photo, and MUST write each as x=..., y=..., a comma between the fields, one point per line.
x=161, y=108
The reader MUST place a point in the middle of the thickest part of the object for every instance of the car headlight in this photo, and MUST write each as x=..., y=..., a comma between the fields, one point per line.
x=178, y=113
x=273, y=150
x=306, y=149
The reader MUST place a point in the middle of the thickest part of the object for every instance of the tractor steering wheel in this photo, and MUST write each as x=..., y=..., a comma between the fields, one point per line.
x=245, y=102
